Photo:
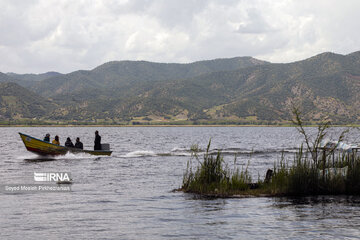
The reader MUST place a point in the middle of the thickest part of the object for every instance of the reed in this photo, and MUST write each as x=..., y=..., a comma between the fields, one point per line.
x=213, y=176
x=301, y=176
x=330, y=175
x=314, y=170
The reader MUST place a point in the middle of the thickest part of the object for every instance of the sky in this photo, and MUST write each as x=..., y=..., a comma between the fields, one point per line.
x=38, y=36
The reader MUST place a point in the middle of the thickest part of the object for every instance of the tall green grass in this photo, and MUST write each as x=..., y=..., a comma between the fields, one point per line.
x=308, y=173
x=212, y=175
x=306, y=177
x=298, y=176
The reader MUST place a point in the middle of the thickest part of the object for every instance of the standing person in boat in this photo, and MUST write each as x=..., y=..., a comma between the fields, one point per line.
x=69, y=143
x=56, y=140
x=78, y=144
x=47, y=137
x=97, y=141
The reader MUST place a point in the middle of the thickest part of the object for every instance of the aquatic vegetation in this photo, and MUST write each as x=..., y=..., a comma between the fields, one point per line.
x=315, y=170
x=313, y=143
x=304, y=177
x=213, y=176
x=299, y=177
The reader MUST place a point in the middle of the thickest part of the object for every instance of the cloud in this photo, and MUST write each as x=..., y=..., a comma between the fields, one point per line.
x=44, y=35
x=254, y=24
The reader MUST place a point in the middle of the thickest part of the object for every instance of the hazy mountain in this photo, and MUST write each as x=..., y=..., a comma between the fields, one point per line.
x=26, y=80
x=33, y=77
x=5, y=78
x=8, y=78
x=17, y=102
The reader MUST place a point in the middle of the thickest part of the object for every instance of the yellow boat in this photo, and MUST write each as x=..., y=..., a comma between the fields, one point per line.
x=43, y=148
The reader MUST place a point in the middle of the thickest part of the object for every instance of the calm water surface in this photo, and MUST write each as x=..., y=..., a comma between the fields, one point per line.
x=128, y=195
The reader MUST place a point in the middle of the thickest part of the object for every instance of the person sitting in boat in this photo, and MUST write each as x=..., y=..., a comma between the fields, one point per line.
x=78, y=144
x=47, y=138
x=97, y=141
x=69, y=143
x=56, y=140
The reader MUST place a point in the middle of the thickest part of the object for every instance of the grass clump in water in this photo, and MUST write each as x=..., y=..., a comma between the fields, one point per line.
x=315, y=171
x=213, y=176
x=304, y=177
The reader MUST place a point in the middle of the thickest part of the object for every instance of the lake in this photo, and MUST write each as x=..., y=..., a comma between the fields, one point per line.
x=129, y=195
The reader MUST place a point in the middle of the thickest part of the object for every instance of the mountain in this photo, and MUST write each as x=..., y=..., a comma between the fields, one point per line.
x=29, y=80
x=120, y=76
x=8, y=78
x=5, y=78
x=17, y=102
x=105, y=86
x=236, y=90
x=326, y=85
x=33, y=77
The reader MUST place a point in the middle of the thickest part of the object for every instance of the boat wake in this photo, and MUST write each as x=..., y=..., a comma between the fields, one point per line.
x=186, y=152
x=135, y=154
x=82, y=155
x=67, y=156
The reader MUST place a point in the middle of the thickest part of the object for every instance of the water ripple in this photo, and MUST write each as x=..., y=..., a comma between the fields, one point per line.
x=128, y=195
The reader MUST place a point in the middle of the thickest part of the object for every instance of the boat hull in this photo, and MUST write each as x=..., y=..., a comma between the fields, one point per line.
x=43, y=148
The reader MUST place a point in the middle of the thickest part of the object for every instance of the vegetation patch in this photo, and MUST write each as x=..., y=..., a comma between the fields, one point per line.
x=315, y=169
x=298, y=177
x=212, y=176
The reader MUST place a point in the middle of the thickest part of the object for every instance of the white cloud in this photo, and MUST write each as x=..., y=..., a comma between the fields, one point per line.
x=44, y=35
x=254, y=23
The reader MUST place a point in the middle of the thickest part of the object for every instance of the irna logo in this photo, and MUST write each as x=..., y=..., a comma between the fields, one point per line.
x=51, y=177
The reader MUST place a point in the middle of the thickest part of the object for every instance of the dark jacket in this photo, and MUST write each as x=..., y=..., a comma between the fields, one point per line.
x=69, y=143
x=47, y=139
x=79, y=145
x=97, y=142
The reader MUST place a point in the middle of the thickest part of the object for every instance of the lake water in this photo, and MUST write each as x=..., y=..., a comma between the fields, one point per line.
x=129, y=195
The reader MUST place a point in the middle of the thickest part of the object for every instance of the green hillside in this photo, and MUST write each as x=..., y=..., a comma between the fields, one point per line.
x=18, y=103
x=238, y=90
x=5, y=78
x=30, y=79
x=12, y=78
x=34, y=77
x=326, y=85
x=119, y=77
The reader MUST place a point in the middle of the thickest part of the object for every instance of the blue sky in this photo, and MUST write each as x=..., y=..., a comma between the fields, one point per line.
x=65, y=35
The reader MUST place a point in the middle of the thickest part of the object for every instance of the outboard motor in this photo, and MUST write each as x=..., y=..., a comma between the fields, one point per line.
x=105, y=146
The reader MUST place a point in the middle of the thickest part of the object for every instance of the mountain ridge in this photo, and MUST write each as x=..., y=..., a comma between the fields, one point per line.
x=234, y=90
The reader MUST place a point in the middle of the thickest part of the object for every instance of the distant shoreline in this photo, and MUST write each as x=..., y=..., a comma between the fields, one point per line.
x=169, y=125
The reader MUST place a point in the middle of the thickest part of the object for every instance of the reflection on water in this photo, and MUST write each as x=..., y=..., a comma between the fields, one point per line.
x=211, y=205
x=320, y=200
x=336, y=216
x=128, y=195
x=40, y=159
